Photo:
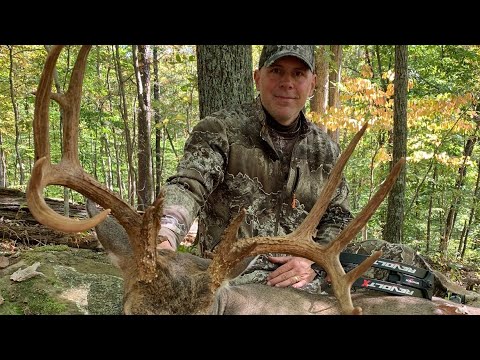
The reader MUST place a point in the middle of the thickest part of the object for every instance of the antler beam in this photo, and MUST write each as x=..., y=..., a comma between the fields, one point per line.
x=300, y=242
x=69, y=172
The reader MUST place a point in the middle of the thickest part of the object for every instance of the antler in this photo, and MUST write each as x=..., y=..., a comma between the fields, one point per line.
x=300, y=242
x=68, y=172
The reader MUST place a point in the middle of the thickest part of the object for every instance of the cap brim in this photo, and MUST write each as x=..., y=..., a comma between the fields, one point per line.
x=279, y=55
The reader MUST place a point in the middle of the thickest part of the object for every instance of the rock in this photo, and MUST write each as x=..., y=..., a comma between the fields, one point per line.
x=4, y=262
x=75, y=281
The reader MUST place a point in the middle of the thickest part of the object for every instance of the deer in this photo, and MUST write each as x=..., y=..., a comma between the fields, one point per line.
x=159, y=281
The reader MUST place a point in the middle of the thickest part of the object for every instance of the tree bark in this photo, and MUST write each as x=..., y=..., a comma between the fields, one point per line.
x=3, y=165
x=224, y=76
x=126, y=129
x=18, y=154
x=472, y=211
x=334, y=81
x=113, y=128
x=107, y=156
x=158, y=129
x=142, y=70
x=396, y=200
x=430, y=208
x=383, y=83
x=452, y=211
x=319, y=101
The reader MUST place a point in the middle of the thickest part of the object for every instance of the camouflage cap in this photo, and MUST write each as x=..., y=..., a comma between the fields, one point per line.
x=271, y=53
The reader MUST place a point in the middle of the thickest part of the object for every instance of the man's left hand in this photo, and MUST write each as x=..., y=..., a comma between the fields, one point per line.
x=294, y=271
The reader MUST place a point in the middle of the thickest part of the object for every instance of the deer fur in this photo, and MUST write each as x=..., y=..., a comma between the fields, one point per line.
x=185, y=290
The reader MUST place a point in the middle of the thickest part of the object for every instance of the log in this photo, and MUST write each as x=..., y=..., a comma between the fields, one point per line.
x=19, y=226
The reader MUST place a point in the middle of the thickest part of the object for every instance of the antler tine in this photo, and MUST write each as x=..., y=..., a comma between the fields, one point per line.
x=145, y=246
x=300, y=242
x=230, y=252
x=68, y=172
x=42, y=105
x=330, y=261
x=228, y=255
x=362, y=218
x=307, y=228
x=328, y=256
x=72, y=107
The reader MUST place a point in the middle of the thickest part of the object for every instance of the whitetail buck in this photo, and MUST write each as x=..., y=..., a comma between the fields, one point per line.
x=167, y=282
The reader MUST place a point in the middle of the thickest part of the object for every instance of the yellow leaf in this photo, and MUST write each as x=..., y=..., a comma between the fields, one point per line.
x=366, y=71
x=390, y=90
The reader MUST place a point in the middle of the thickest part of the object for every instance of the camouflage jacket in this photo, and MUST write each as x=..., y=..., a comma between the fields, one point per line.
x=230, y=163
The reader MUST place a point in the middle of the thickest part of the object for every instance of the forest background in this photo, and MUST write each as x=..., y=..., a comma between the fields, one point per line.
x=140, y=103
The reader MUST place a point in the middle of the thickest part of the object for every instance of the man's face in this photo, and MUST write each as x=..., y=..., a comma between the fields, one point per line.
x=285, y=87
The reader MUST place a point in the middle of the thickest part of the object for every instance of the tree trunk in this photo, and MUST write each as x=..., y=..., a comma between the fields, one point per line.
x=158, y=128
x=18, y=154
x=319, y=101
x=334, y=90
x=452, y=211
x=396, y=199
x=380, y=70
x=224, y=76
x=118, y=159
x=126, y=129
x=142, y=72
x=107, y=161
x=3, y=166
x=464, y=232
x=107, y=157
x=430, y=207
x=472, y=211
x=113, y=129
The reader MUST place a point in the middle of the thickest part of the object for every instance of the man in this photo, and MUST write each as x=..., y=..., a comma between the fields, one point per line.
x=268, y=158
x=265, y=157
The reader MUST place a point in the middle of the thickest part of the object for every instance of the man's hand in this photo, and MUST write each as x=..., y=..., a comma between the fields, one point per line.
x=295, y=272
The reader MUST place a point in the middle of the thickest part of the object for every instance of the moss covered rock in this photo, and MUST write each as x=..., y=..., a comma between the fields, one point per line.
x=74, y=281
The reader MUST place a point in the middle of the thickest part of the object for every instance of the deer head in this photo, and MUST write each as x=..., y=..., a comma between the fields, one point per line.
x=163, y=281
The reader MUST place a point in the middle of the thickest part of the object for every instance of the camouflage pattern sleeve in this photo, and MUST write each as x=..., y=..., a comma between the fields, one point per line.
x=199, y=172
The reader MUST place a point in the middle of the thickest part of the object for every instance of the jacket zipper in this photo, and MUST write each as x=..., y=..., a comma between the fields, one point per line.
x=284, y=195
x=295, y=184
